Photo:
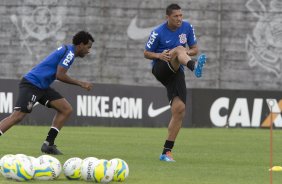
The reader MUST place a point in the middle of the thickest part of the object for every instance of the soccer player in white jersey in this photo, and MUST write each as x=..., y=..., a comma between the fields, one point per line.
x=35, y=87
x=170, y=46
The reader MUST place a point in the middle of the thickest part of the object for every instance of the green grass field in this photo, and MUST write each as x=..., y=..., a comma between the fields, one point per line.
x=204, y=156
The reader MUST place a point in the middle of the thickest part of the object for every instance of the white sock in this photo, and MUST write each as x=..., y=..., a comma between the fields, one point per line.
x=56, y=129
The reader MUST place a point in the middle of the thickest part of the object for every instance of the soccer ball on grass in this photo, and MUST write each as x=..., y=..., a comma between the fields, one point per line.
x=6, y=165
x=87, y=168
x=22, y=168
x=47, y=168
x=121, y=169
x=72, y=168
x=103, y=171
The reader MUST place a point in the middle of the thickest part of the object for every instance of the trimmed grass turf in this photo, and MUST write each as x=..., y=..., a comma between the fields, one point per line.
x=204, y=156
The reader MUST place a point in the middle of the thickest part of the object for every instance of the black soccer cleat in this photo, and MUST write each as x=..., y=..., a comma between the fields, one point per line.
x=50, y=149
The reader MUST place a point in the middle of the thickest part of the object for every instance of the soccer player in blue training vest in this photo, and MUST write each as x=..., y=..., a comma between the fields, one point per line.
x=170, y=46
x=35, y=87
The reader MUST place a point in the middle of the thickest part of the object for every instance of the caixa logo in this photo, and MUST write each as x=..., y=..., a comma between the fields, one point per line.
x=243, y=113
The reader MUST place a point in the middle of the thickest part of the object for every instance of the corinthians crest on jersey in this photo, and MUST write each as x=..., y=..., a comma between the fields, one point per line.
x=182, y=38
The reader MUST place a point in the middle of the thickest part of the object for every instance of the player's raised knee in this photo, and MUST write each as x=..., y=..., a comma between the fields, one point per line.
x=179, y=50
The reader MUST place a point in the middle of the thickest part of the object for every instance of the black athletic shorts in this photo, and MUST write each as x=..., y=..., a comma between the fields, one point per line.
x=174, y=81
x=29, y=94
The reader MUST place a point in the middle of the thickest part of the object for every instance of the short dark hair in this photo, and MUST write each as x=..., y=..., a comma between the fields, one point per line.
x=82, y=37
x=172, y=7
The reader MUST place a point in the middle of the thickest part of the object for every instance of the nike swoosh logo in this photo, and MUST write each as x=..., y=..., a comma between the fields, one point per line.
x=137, y=33
x=155, y=112
x=167, y=41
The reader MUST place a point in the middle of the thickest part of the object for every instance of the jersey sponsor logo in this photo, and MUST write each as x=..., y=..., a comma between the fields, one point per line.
x=222, y=114
x=156, y=112
x=68, y=59
x=152, y=39
x=183, y=38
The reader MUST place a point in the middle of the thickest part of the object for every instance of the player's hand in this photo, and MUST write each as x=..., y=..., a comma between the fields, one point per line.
x=86, y=85
x=188, y=51
x=165, y=56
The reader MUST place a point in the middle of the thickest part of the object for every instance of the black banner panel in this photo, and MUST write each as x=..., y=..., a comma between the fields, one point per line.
x=138, y=106
x=105, y=105
x=236, y=108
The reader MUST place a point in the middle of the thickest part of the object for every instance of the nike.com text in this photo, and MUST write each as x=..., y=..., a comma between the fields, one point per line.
x=103, y=106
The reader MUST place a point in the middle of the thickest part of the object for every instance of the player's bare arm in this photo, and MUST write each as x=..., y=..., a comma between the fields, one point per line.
x=193, y=50
x=165, y=55
x=61, y=75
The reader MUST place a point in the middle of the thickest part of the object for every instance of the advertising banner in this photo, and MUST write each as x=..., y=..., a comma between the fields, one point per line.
x=105, y=105
x=139, y=106
x=236, y=108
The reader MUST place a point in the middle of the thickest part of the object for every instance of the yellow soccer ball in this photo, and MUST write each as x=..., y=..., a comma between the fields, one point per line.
x=22, y=169
x=47, y=168
x=103, y=171
x=6, y=165
x=121, y=169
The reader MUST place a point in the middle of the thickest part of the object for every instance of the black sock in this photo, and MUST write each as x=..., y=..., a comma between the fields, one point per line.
x=1, y=133
x=191, y=65
x=168, y=146
x=52, y=134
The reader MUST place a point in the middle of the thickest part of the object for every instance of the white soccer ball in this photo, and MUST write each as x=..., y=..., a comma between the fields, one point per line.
x=103, y=171
x=87, y=168
x=6, y=165
x=48, y=158
x=32, y=159
x=47, y=168
x=72, y=168
x=121, y=169
x=22, y=168
x=21, y=156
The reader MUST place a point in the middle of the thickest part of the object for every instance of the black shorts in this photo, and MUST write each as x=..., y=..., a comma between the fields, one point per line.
x=29, y=94
x=174, y=81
